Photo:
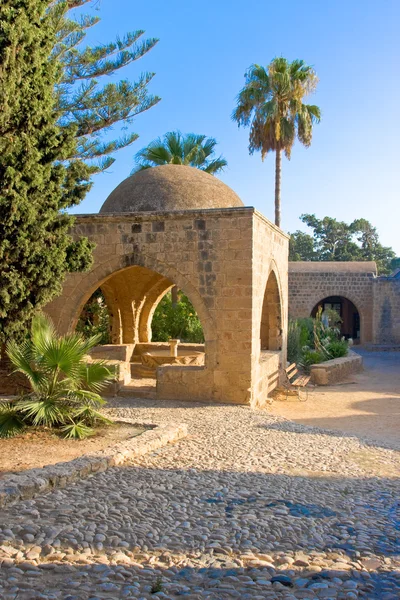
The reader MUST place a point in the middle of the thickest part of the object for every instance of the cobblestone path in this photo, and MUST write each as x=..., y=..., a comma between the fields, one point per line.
x=248, y=506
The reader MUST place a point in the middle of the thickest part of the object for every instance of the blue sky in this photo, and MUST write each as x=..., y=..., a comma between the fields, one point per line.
x=352, y=168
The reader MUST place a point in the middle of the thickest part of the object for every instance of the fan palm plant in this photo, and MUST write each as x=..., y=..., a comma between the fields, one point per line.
x=65, y=388
x=176, y=148
x=271, y=103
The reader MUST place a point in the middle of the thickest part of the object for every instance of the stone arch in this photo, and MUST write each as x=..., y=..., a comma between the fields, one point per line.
x=349, y=312
x=79, y=287
x=271, y=315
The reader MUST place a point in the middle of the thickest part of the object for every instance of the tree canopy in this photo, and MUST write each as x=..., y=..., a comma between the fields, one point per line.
x=176, y=148
x=334, y=240
x=271, y=104
x=96, y=108
x=53, y=113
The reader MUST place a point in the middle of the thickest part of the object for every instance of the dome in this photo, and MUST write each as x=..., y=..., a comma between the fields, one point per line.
x=168, y=188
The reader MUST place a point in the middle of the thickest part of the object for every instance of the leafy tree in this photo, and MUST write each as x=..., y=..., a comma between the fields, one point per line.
x=64, y=387
x=334, y=240
x=301, y=246
x=95, y=108
x=176, y=148
x=36, y=183
x=95, y=319
x=53, y=113
x=271, y=103
x=176, y=322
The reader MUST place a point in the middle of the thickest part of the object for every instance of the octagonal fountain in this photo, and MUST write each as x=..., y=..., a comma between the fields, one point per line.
x=172, y=356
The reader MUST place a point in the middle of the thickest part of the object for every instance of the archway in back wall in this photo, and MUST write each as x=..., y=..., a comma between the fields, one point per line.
x=350, y=326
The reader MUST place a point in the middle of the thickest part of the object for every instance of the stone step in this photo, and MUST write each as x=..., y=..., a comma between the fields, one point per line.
x=138, y=370
x=133, y=390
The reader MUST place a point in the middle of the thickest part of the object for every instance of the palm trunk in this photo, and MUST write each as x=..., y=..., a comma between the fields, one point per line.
x=278, y=160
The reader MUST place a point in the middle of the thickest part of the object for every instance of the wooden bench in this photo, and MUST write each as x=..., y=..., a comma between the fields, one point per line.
x=296, y=381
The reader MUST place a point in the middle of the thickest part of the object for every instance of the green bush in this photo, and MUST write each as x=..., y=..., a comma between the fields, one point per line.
x=294, y=344
x=311, y=357
x=95, y=319
x=337, y=348
x=179, y=321
x=306, y=331
x=65, y=388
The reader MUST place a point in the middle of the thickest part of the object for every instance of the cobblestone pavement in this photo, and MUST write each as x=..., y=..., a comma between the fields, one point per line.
x=248, y=506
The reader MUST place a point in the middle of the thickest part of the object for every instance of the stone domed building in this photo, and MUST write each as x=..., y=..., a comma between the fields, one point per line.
x=176, y=225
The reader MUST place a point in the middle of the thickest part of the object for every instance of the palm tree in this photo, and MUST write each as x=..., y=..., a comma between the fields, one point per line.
x=64, y=385
x=176, y=148
x=271, y=103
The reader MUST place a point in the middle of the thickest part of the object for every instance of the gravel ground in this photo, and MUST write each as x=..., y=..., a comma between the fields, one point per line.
x=248, y=506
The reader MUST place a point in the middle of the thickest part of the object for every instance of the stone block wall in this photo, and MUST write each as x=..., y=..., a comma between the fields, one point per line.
x=386, y=297
x=309, y=283
x=270, y=303
x=216, y=258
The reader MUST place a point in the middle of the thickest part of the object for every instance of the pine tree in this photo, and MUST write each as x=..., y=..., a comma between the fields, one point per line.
x=35, y=184
x=52, y=114
x=96, y=108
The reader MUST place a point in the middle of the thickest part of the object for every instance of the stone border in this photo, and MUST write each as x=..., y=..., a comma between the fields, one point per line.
x=337, y=369
x=33, y=482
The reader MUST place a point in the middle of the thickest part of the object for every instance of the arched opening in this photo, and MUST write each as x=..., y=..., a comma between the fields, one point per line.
x=350, y=323
x=271, y=316
x=95, y=318
x=125, y=308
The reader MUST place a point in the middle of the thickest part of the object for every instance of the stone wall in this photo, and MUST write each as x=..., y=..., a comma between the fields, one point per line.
x=336, y=370
x=270, y=303
x=386, y=292
x=311, y=282
x=220, y=258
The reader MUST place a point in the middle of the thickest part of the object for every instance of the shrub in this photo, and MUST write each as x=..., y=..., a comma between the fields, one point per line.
x=95, y=319
x=178, y=321
x=65, y=388
x=306, y=331
x=311, y=357
x=294, y=342
x=337, y=348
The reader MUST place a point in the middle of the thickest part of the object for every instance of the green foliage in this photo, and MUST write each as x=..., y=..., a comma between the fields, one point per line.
x=36, y=181
x=334, y=240
x=54, y=110
x=64, y=386
x=10, y=421
x=311, y=357
x=306, y=331
x=178, y=321
x=293, y=342
x=311, y=342
x=176, y=148
x=93, y=107
x=95, y=319
x=337, y=348
x=271, y=104
x=157, y=586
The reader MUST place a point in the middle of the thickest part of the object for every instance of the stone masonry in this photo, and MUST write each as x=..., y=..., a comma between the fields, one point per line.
x=311, y=282
x=222, y=259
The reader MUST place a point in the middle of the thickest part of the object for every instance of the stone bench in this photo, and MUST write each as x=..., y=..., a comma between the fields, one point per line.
x=333, y=371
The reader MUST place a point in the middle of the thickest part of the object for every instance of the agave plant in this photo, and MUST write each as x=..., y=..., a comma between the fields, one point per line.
x=65, y=387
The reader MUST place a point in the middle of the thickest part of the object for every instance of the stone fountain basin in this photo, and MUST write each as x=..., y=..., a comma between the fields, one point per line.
x=157, y=358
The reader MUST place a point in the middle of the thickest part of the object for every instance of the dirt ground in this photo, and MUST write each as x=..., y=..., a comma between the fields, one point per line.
x=367, y=405
x=39, y=447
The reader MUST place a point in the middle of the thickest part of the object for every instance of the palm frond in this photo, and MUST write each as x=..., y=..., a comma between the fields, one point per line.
x=46, y=412
x=21, y=357
x=95, y=376
x=87, y=414
x=11, y=422
x=76, y=431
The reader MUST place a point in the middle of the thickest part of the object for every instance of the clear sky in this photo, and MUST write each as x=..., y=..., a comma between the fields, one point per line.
x=352, y=168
